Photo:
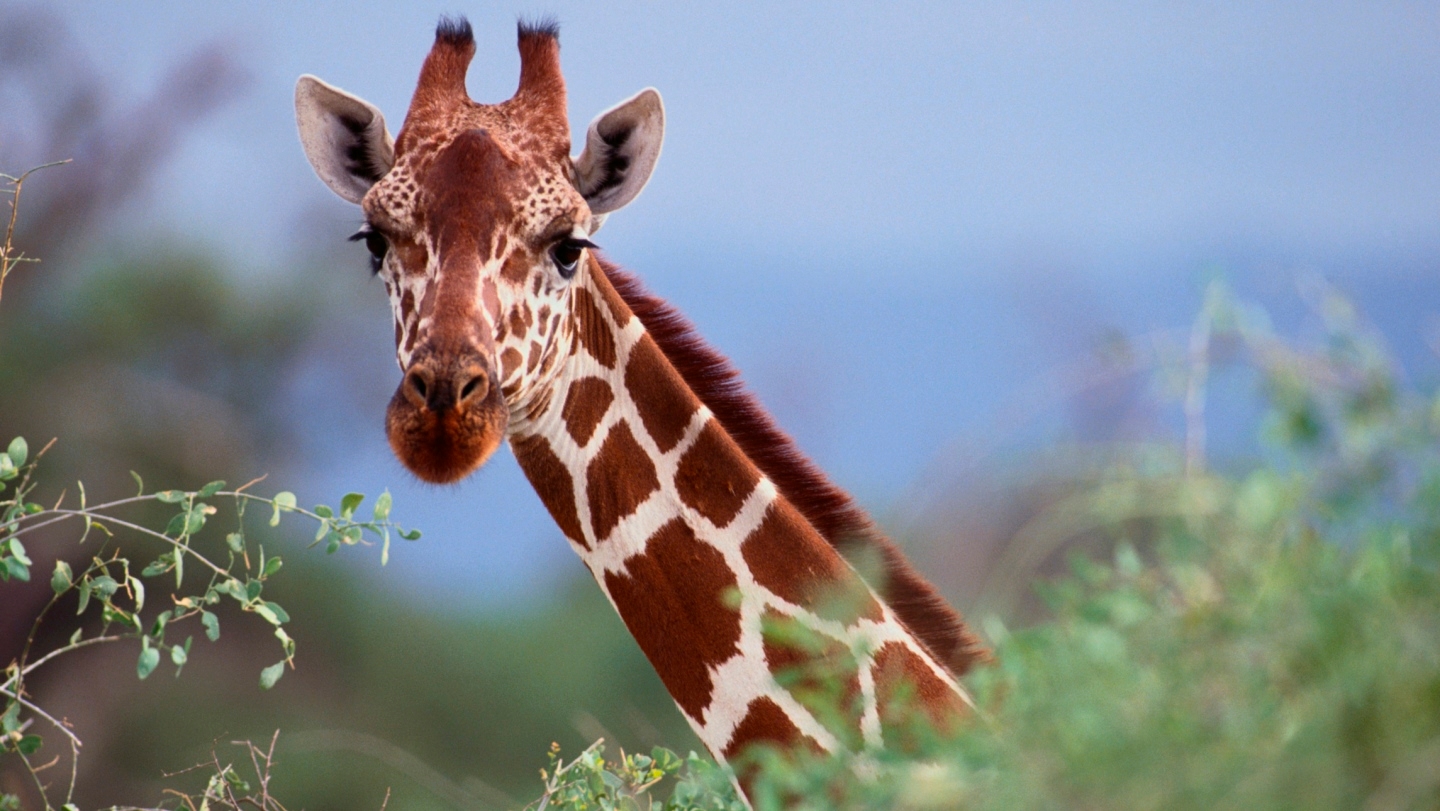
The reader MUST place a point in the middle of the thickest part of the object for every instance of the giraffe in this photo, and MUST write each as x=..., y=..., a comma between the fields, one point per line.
x=713, y=537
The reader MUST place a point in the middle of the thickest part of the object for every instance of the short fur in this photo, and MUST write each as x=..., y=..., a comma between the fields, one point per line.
x=828, y=508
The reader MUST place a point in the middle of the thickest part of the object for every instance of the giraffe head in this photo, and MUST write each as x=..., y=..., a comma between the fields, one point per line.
x=478, y=220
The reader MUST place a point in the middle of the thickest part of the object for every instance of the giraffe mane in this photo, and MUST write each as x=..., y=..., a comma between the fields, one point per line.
x=831, y=510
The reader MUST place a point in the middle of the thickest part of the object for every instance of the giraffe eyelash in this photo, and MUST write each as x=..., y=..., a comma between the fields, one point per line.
x=376, y=243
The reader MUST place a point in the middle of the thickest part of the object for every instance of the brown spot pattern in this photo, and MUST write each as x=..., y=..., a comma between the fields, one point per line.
x=510, y=362
x=617, y=305
x=660, y=395
x=517, y=324
x=912, y=700
x=674, y=599
x=515, y=268
x=490, y=297
x=547, y=474
x=618, y=479
x=714, y=477
x=534, y=357
x=765, y=722
x=594, y=332
x=788, y=557
x=819, y=671
x=585, y=404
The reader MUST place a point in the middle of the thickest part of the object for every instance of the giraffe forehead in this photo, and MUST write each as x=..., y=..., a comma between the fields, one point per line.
x=532, y=190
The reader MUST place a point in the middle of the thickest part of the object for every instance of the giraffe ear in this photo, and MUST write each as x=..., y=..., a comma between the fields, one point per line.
x=344, y=137
x=621, y=148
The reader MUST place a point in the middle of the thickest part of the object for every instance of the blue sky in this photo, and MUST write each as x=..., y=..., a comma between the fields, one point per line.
x=894, y=216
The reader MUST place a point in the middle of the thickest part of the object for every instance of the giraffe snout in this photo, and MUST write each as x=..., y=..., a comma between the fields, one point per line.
x=447, y=416
x=440, y=386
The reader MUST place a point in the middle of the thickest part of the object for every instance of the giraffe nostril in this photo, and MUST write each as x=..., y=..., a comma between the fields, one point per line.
x=417, y=387
x=477, y=386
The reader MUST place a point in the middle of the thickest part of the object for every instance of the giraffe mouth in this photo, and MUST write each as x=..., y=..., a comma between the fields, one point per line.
x=447, y=417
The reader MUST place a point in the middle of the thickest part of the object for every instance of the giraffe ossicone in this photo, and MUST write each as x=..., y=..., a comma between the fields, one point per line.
x=712, y=536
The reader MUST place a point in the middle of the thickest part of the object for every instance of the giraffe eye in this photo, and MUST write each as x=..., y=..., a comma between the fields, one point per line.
x=375, y=242
x=566, y=254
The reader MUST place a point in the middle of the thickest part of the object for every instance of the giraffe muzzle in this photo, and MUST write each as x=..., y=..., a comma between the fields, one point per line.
x=446, y=417
x=441, y=387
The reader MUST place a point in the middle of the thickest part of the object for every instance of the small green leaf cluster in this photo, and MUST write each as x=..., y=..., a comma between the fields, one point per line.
x=13, y=561
x=342, y=529
x=591, y=783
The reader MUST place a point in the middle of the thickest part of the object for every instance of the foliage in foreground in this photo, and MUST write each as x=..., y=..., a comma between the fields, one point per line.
x=113, y=586
x=1269, y=639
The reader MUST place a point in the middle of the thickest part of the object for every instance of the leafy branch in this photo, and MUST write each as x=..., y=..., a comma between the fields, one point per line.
x=109, y=583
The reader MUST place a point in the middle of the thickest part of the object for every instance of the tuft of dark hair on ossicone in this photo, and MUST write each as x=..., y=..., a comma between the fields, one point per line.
x=547, y=26
x=454, y=30
x=828, y=508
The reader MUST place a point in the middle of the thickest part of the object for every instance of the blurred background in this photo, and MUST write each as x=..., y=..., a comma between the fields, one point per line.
x=951, y=249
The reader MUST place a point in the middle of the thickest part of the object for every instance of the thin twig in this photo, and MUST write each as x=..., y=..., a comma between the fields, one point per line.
x=8, y=260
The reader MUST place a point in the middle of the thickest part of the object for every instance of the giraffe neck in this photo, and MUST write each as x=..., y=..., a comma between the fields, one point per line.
x=711, y=567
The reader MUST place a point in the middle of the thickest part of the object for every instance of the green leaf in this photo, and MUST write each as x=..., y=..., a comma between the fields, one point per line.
x=272, y=566
x=10, y=721
x=18, y=550
x=149, y=658
x=63, y=578
x=176, y=527
x=28, y=745
x=85, y=589
x=264, y=611
x=212, y=625
x=7, y=467
x=410, y=535
x=171, y=496
x=139, y=483
x=252, y=589
x=14, y=568
x=210, y=489
x=18, y=451
x=138, y=589
x=324, y=511
x=75, y=637
x=235, y=589
x=160, y=565
x=382, y=506
x=283, y=501
x=236, y=542
x=350, y=503
x=105, y=586
x=195, y=522
x=179, y=656
x=277, y=611
x=271, y=674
